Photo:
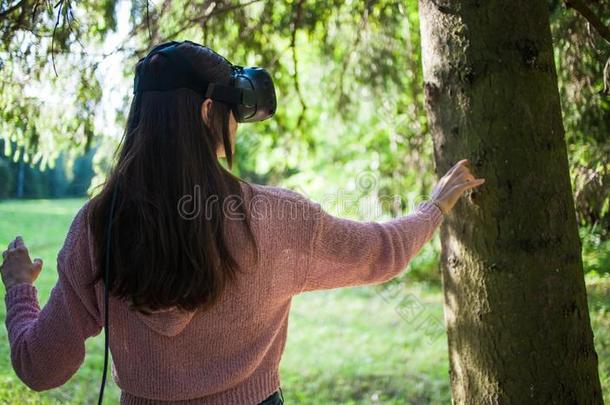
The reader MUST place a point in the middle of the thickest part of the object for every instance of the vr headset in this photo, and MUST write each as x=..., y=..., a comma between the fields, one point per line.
x=250, y=92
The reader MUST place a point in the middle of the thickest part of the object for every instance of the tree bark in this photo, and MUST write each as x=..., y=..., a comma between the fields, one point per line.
x=515, y=300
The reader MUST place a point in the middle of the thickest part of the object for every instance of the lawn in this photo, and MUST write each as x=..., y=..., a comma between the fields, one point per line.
x=350, y=346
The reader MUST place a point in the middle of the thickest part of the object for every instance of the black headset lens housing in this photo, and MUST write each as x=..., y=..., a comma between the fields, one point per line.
x=250, y=92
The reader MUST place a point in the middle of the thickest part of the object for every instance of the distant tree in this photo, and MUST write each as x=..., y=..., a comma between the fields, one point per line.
x=58, y=181
x=82, y=174
x=6, y=178
x=37, y=182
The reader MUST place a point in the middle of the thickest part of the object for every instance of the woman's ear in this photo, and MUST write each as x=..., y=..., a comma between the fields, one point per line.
x=205, y=110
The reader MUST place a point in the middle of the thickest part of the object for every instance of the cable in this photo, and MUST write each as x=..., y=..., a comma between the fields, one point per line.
x=106, y=295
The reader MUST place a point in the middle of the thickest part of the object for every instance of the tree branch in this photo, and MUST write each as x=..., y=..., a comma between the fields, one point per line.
x=579, y=5
x=148, y=22
x=606, y=90
x=61, y=5
x=347, y=60
x=207, y=14
x=295, y=76
x=11, y=9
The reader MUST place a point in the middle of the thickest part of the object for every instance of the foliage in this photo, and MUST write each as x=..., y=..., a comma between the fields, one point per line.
x=373, y=121
x=595, y=250
x=42, y=112
x=349, y=81
x=583, y=62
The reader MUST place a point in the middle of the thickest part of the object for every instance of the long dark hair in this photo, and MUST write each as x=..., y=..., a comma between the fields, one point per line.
x=161, y=258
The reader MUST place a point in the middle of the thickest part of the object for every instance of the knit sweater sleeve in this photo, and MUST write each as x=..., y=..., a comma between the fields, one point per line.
x=347, y=253
x=48, y=345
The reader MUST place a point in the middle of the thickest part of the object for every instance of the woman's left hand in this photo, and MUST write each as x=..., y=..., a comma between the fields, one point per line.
x=16, y=266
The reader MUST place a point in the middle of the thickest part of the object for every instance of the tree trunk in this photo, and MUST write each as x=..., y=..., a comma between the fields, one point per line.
x=515, y=301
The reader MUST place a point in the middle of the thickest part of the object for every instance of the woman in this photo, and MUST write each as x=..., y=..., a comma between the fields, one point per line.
x=203, y=266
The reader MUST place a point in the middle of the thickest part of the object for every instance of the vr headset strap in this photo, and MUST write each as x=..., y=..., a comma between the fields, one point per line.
x=180, y=73
x=228, y=94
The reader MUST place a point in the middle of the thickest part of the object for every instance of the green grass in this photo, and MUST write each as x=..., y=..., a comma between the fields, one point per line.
x=348, y=346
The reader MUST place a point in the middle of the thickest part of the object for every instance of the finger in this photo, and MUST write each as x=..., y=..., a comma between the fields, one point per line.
x=463, y=177
x=16, y=251
x=19, y=242
x=458, y=166
x=471, y=184
x=37, y=263
x=462, y=163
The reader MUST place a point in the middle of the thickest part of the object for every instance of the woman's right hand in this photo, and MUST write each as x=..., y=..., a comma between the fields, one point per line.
x=453, y=184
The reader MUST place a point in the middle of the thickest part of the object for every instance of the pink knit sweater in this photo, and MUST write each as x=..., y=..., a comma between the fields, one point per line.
x=229, y=354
